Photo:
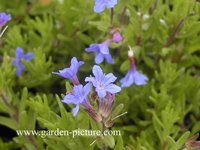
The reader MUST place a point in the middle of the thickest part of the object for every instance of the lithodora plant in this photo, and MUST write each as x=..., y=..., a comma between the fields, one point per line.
x=96, y=97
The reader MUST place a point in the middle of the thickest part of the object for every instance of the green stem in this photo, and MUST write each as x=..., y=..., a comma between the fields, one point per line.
x=170, y=39
x=122, y=17
x=103, y=129
x=111, y=15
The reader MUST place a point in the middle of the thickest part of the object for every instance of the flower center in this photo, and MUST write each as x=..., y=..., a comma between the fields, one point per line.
x=100, y=86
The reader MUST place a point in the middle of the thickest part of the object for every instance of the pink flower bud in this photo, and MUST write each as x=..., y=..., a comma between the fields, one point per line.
x=117, y=37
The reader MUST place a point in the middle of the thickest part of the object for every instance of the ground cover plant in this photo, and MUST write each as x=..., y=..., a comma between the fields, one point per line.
x=99, y=74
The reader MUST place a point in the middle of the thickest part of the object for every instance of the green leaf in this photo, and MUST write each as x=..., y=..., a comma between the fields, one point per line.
x=84, y=38
x=109, y=141
x=9, y=122
x=182, y=140
x=196, y=127
x=125, y=66
x=171, y=142
x=148, y=60
x=23, y=99
x=23, y=120
x=117, y=110
x=101, y=25
x=119, y=144
x=68, y=87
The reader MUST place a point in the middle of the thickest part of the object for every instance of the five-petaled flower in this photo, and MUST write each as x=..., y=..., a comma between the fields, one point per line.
x=101, y=52
x=19, y=56
x=103, y=83
x=70, y=73
x=77, y=97
x=4, y=18
x=133, y=76
x=100, y=5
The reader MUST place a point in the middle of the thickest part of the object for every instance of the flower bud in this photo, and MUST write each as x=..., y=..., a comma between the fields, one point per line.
x=130, y=52
x=96, y=116
x=116, y=36
x=108, y=104
x=91, y=111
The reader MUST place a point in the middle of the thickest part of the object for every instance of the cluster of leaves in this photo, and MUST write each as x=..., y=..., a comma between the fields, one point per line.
x=165, y=36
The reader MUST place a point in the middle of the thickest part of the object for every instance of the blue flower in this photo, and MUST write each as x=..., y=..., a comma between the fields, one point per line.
x=70, y=73
x=19, y=56
x=4, y=18
x=77, y=97
x=100, y=5
x=133, y=76
x=101, y=52
x=103, y=83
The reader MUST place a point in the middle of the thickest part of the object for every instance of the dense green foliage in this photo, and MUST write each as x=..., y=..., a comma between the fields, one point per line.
x=164, y=34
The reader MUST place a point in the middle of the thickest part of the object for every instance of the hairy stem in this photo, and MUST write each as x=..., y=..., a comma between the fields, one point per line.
x=103, y=129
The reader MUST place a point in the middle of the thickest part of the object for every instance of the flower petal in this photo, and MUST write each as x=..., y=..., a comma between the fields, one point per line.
x=65, y=73
x=75, y=110
x=29, y=56
x=99, y=6
x=75, y=65
x=87, y=89
x=109, y=78
x=112, y=88
x=128, y=79
x=93, y=48
x=125, y=83
x=111, y=3
x=78, y=93
x=101, y=93
x=80, y=63
x=91, y=79
x=99, y=58
x=109, y=59
x=139, y=78
x=4, y=18
x=69, y=98
x=104, y=48
x=19, y=53
x=20, y=68
x=15, y=62
x=98, y=73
